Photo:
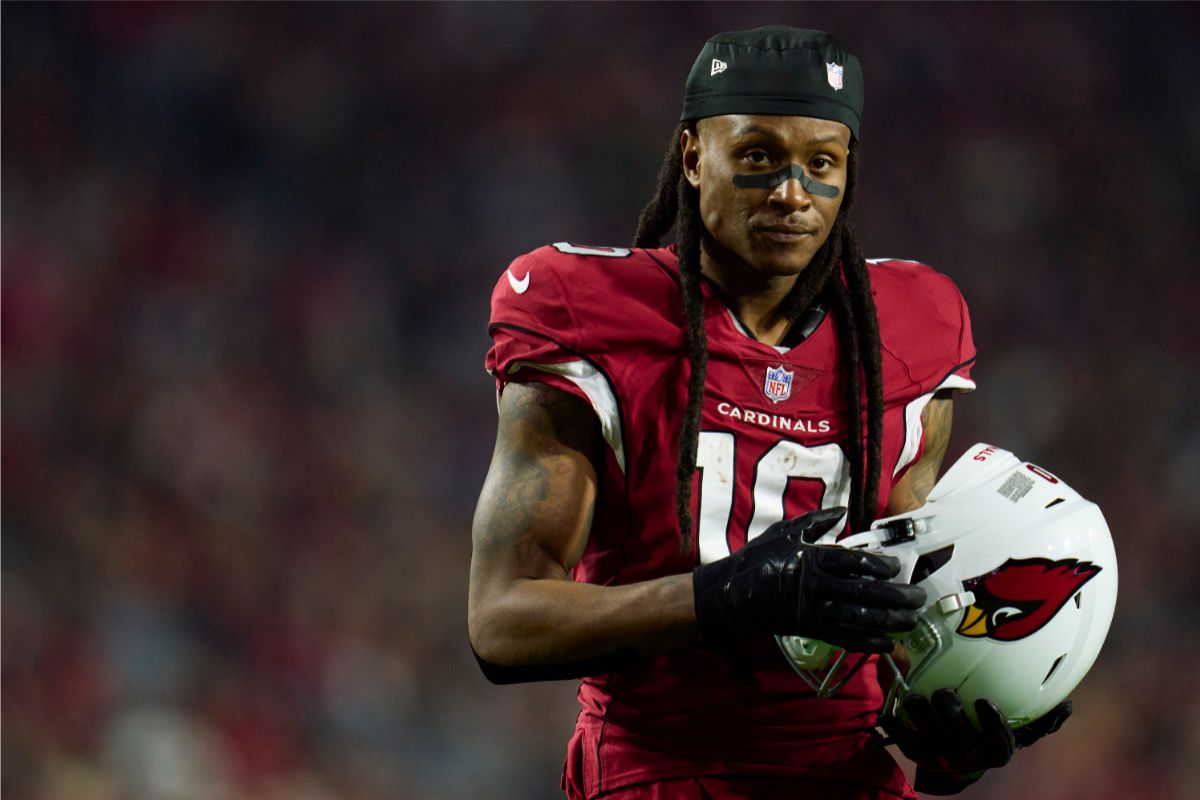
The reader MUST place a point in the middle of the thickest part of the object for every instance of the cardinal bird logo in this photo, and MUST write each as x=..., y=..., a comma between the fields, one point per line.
x=1021, y=595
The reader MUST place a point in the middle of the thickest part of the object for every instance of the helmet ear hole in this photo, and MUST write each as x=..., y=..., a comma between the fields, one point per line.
x=1053, y=668
x=931, y=562
x=1055, y=502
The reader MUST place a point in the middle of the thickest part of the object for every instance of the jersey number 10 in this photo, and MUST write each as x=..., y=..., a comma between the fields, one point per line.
x=786, y=461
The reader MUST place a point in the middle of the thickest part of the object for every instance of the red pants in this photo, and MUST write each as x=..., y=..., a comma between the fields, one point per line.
x=771, y=787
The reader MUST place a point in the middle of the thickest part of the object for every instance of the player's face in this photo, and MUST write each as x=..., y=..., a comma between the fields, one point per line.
x=774, y=230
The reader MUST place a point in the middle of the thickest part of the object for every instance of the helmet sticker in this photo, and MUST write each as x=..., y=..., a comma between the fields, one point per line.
x=1018, y=598
x=1016, y=486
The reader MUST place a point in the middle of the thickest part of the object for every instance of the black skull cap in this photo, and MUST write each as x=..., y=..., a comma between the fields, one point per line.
x=775, y=70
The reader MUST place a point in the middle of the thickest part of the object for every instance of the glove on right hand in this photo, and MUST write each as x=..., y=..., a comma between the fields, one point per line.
x=779, y=584
x=950, y=752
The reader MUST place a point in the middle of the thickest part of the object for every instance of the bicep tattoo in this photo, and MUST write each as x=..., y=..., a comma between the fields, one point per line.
x=913, y=489
x=536, y=507
x=936, y=419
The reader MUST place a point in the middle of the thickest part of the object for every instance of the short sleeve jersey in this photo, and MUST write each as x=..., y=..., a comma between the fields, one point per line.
x=606, y=324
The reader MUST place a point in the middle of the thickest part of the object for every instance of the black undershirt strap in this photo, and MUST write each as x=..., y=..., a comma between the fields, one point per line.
x=805, y=325
x=801, y=328
x=602, y=665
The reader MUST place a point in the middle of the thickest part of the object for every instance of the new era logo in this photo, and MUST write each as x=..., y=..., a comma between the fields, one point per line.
x=718, y=66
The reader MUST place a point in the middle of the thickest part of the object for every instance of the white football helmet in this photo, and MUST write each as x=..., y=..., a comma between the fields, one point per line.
x=1021, y=579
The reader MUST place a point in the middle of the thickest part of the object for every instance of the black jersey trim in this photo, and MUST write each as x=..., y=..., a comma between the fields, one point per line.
x=599, y=747
x=953, y=370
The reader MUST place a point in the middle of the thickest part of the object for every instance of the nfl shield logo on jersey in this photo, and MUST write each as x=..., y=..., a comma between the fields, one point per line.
x=834, y=73
x=778, y=386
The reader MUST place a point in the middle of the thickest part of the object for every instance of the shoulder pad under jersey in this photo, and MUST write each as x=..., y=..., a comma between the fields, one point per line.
x=924, y=325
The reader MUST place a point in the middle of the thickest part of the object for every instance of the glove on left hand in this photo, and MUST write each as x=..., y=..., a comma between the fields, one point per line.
x=780, y=584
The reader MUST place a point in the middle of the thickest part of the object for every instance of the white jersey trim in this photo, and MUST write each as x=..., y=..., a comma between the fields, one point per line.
x=598, y=392
x=914, y=430
x=902, y=260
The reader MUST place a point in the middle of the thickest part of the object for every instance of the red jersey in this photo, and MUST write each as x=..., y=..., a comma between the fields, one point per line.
x=607, y=324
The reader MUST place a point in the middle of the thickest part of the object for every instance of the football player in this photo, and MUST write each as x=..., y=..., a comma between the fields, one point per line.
x=678, y=424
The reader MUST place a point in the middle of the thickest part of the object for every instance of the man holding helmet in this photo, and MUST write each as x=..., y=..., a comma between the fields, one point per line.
x=678, y=425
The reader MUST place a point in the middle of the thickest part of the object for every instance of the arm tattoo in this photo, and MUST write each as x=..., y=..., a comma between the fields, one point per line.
x=913, y=489
x=543, y=431
x=936, y=419
x=522, y=498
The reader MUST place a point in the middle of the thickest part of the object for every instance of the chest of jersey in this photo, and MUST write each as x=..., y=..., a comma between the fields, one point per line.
x=774, y=425
x=771, y=446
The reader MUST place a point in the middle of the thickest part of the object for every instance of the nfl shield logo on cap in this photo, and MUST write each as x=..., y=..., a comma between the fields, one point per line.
x=778, y=386
x=834, y=73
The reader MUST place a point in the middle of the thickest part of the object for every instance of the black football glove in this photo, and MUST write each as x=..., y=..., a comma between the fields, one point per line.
x=779, y=584
x=950, y=752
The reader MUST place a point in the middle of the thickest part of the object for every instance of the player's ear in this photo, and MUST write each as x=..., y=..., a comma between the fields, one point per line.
x=691, y=156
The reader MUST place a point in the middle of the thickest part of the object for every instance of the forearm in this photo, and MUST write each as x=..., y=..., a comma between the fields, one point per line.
x=553, y=621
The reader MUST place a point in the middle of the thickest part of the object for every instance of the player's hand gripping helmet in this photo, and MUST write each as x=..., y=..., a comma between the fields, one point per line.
x=1021, y=579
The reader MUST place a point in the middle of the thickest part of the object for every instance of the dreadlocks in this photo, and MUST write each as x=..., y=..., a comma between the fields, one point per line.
x=676, y=203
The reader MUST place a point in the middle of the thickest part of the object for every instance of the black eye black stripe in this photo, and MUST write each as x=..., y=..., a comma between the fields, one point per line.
x=773, y=179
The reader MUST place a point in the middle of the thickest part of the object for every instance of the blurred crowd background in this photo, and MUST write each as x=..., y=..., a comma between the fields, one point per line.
x=247, y=256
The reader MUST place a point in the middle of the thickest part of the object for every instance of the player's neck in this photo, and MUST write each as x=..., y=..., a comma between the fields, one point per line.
x=755, y=298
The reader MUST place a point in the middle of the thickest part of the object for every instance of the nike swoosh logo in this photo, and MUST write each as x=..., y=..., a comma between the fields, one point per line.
x=518, y=286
